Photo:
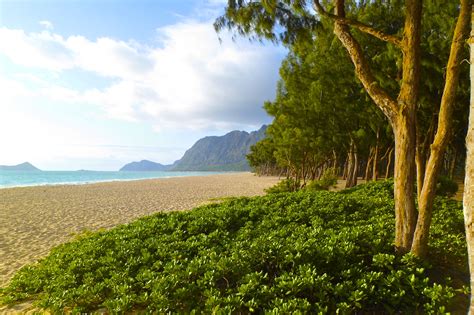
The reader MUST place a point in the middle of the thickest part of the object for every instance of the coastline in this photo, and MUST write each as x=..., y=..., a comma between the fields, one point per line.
x=86, y=182
x=37, y=218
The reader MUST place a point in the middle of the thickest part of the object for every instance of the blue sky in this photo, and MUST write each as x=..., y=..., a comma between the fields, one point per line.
x=97, y=84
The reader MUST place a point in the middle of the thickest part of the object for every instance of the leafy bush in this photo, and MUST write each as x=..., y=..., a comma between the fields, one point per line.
x=306, y=252
x=286, y=185
x=327, y=180
x=446, y=187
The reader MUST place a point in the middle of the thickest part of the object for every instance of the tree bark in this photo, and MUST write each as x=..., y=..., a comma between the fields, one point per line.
x=350, y=166
x=468, y=198
x=404, y=129
x=422, y=153
x=438, y=147
x=401, y=113
x=346, y=166
x=369, y=164
x=389, y=164
x=376, y=157
x=356, y=166
x=420, y=171
x=452, y=164
x=404, y=192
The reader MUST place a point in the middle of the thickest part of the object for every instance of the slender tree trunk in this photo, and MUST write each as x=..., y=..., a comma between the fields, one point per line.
x=452, y=164
x=356, y=167
x=350, y=166
x=376, y=157
x=438, y=147
x=420, y=165
x=389, y=164
x=352, y=169
x=369, y=164
x=303, y=169
x=346, y=166
x=422, y=153
x=468, y=198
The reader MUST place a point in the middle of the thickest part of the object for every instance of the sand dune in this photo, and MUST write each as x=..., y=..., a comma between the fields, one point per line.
x=35, y=219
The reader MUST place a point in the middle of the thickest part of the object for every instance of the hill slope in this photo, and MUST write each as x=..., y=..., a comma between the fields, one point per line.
x=20, y=167
x=224, y=153
x=144, y=166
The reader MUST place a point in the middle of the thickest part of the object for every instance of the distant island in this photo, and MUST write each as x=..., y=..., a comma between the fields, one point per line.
x=26, y=166
x=145, y=166
x=215, y=153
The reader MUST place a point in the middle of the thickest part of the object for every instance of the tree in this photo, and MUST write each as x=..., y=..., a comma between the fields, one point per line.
x=320, y=113
x=265, y=17
x=402, y=114
x=468, y=198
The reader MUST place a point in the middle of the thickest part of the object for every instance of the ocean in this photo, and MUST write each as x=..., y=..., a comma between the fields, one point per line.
x=38, y=178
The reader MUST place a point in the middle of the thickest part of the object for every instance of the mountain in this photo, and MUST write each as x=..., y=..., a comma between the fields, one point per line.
x=224, y=153
x=20, y=167
x=145, y=166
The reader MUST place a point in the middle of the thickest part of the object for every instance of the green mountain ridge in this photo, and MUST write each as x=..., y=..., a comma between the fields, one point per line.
x=213, y=153
x=220, y=153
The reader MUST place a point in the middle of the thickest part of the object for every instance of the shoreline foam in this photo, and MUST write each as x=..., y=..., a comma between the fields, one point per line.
x=83, y=182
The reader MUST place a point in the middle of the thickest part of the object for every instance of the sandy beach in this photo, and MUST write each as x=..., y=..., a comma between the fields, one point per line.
x=35, y=219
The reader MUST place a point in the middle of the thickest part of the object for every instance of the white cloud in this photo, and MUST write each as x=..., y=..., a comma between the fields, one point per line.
x=46, y=24
x=42, y=50
x=186, y=79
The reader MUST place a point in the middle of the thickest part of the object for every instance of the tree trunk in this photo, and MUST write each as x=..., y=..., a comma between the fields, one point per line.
x=438, y=147
x=468, y=198
x=350, y=166
x=422, y=153
x=346, y=165
x=401, y=113
x=389, y=163
x=356, y=167
x=368, y=166
x=452, y=164
x=376, y=157
x=420, y=165
x=405, y=213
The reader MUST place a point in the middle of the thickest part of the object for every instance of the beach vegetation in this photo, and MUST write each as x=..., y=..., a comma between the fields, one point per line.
x=328, y=180
x=308, y=251
x=362, y=78
x=446, y=186
x=285, y=185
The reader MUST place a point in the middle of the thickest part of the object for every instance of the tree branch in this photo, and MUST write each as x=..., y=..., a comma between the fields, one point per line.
x=382, y=99
x=359, y=25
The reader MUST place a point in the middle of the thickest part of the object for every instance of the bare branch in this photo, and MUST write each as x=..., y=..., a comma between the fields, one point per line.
x=359, y=25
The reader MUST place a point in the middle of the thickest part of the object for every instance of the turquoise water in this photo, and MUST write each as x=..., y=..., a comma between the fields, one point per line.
x=23, y=178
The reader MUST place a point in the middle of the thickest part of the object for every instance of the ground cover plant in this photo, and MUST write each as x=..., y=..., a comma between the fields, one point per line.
x=313, y=252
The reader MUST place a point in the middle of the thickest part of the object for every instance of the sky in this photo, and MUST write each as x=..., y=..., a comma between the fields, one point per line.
x=95, y=84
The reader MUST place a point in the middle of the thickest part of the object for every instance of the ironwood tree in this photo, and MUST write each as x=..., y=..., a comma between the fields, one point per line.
x=468, y=198
x=288, y=21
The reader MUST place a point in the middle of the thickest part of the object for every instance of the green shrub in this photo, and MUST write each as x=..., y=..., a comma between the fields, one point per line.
x=327, y=180
x=446, y=187
x=302, y=252
x=286, y=185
